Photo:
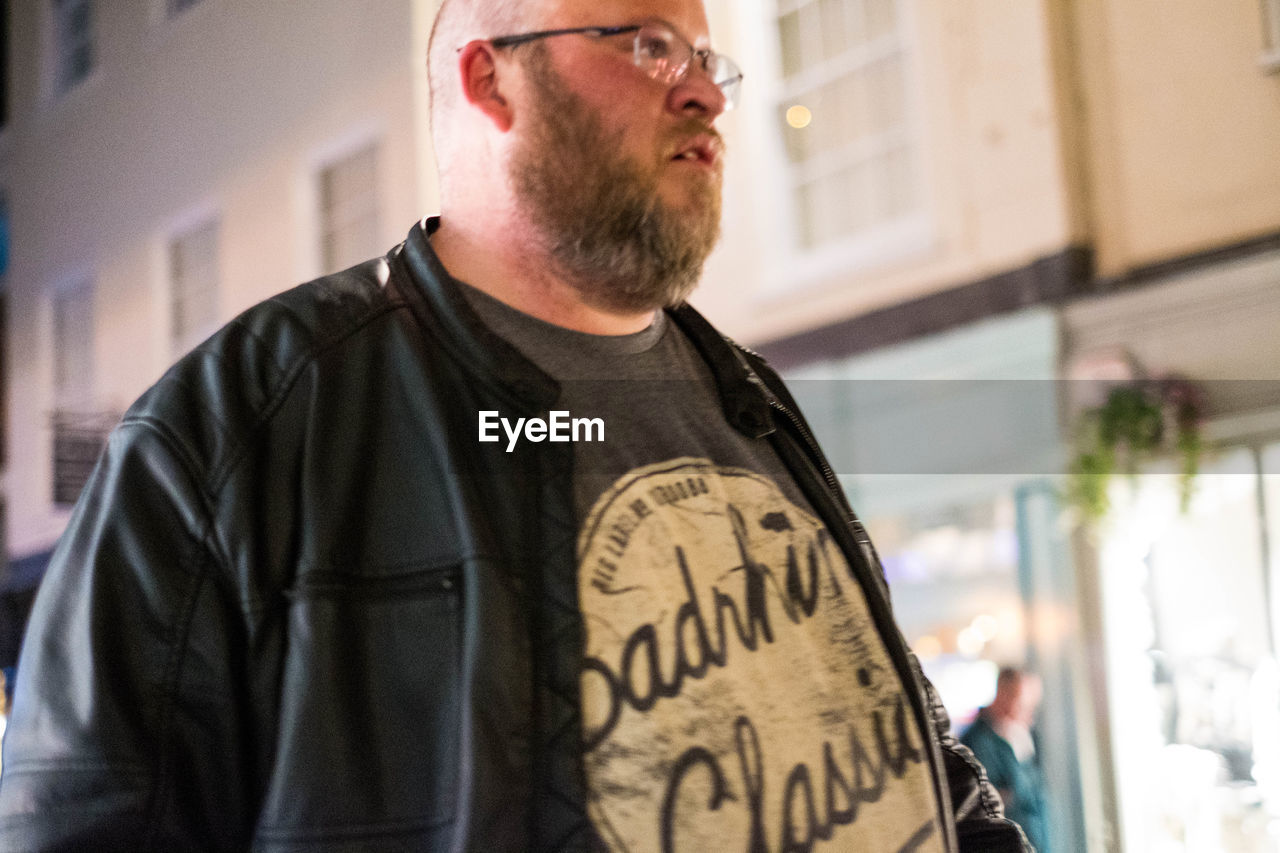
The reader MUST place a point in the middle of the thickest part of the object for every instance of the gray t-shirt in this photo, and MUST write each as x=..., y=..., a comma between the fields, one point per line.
x=651, y=389
x=734, y=683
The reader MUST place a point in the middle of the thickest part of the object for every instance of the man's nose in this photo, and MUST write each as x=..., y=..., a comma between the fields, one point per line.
x=697, y=95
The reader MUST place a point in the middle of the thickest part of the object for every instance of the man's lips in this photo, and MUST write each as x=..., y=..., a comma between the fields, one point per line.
x=703, y=150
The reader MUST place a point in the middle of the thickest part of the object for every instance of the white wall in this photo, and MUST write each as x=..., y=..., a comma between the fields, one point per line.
x=227, y=109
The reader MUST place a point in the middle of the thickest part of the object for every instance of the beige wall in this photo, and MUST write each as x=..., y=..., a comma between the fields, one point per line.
x=1183, y=127
x=229, y=109
x=1146, y=129
x=996, y=187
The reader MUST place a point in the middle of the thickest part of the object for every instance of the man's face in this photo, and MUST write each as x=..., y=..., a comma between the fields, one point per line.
x=602, y=166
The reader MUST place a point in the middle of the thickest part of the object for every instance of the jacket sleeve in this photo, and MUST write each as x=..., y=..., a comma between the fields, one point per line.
x=122, y=715
x=981, y=826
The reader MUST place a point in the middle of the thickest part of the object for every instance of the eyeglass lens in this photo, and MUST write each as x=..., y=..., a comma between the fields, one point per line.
x=665, y=56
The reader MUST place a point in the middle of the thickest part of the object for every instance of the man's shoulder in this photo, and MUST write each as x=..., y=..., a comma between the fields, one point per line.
x=293, y=326
x=309, y=317
x=232, y=381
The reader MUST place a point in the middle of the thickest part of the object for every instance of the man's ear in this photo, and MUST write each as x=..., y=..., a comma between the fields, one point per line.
x=478, y=71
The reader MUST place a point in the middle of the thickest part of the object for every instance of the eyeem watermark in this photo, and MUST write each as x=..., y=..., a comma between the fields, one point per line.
x=558, y=426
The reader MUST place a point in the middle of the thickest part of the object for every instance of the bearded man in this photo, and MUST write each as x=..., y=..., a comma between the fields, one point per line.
x=492, y=543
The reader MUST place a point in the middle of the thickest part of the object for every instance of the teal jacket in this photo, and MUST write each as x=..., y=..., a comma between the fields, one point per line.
x=1019, y=783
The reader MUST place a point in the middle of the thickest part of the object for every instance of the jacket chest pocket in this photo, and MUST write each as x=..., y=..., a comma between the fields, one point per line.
x=367, y=739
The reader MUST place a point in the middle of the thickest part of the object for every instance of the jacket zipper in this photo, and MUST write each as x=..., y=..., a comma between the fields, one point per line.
x=815, y=452
x=811, y=443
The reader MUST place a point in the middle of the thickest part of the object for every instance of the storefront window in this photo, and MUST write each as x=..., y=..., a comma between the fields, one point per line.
x=954, y=576
x=1190, y=661
x=975, y=580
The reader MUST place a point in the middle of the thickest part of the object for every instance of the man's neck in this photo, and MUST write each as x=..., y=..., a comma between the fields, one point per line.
x=507, y=265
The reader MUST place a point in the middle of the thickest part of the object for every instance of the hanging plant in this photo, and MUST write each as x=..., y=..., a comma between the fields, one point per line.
x=1138, y=422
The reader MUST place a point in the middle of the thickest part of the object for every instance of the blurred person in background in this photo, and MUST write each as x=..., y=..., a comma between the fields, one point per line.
x=314, y=599
x=1002, y=738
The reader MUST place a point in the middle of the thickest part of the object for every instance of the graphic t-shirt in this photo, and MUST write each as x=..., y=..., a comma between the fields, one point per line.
x=736, y=695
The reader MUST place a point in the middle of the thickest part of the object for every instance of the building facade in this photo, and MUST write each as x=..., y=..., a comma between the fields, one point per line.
x=935, y=212
x=165, y=164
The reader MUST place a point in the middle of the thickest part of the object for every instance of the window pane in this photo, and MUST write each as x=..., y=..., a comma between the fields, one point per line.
x=882, y=18
x=852, y=160
x=194, y=286
x=810, y=35
x=886, y=95
x=849, y=107
x=73, y=347
x=789, y=35
x=800, y=38
x=824, y=131
x=349, y=210
x=795, y=138
x=856, y=22
x=835, y=33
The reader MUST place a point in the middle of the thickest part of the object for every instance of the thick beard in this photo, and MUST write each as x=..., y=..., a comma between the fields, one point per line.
x=599, y=213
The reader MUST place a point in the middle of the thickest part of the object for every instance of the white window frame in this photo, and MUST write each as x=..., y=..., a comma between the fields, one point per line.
x=184, y=288
x=790, y=266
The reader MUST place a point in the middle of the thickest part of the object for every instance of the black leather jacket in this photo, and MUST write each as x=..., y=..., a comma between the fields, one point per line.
x=300, y=608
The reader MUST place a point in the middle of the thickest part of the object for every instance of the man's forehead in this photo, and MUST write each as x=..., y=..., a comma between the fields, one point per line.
x=688, y=16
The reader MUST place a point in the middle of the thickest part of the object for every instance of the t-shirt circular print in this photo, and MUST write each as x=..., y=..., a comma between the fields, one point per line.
x=736, y=694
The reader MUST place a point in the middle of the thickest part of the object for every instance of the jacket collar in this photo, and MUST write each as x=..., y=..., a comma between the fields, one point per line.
x=442, y=308
x=744, y=396
x=437, y=300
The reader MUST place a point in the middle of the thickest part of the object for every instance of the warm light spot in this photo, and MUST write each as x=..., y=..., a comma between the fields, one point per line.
x=969, y=642
x=987, y=626
x=799, y=117
x=928, y=647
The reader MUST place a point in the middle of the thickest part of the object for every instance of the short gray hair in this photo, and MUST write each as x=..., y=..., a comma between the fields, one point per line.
x=457, y=22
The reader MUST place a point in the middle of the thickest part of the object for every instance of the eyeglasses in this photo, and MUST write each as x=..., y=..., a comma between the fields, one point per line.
x=659, y=51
